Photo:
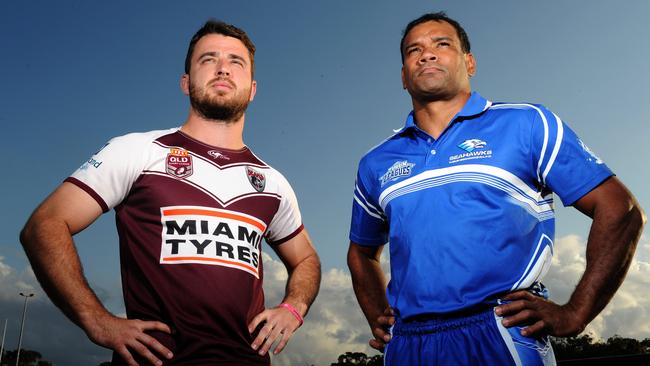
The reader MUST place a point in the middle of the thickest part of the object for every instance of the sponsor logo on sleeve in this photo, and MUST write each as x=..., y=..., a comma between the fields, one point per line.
x=397, y=170
x=475, y=149
x=179, y=163
x=92, y=162
x=256, y=178
x=593, y=156
x=210, y=236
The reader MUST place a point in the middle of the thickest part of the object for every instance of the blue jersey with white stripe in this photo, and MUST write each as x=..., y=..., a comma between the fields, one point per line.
x=470, y=215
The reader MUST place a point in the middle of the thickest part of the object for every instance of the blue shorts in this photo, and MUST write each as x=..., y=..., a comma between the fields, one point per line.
x=475, y=339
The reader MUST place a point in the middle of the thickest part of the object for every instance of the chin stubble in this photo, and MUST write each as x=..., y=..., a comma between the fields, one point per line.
x=228, y=111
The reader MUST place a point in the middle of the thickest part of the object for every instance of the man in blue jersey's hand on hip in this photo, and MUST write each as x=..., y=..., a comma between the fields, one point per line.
x=463, y=194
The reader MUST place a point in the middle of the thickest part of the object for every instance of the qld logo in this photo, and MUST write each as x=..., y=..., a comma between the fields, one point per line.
x=179, y=163
x=472, y=144
x=397, y=170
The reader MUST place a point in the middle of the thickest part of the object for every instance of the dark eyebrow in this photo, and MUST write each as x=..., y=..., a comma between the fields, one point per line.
x=237, y=57
x=438, y=39
x=434, y=39
x=205, y=54
x=215, y=54
x=412, y=44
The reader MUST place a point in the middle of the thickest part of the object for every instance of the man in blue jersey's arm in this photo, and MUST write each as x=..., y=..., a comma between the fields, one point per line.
x=464, y=195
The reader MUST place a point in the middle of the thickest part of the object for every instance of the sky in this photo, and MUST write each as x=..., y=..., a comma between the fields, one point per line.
x=76, y=73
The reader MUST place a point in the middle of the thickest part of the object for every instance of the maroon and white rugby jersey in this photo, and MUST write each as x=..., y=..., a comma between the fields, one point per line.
x=191, y=218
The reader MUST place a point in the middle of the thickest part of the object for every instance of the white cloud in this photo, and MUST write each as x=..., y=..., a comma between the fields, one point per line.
x=628, y=314
x=13, y=282
x=5, y=270
x=47, y=330
x=334, y=325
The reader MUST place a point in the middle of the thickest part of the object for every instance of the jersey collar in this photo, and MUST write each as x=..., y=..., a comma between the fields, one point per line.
x=475, y=105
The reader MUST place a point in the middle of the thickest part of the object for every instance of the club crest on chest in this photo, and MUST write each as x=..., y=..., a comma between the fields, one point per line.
x=179, y=163
x=256, y=178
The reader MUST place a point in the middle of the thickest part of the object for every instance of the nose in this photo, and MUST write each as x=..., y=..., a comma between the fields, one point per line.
x=427, y=55
x=222, y=69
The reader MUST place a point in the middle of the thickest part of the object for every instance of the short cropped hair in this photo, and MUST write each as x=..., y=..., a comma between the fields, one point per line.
x=436, y=17
x=213, y=26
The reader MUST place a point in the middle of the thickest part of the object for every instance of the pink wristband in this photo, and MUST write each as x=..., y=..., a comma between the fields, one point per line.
x=293, y=311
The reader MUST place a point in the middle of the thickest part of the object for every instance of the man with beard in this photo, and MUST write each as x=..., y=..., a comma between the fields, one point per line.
x=463, y=195
x=192, y=206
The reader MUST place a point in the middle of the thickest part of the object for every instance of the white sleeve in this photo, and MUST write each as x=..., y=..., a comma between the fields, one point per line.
x=287, y=221
x=109, y=174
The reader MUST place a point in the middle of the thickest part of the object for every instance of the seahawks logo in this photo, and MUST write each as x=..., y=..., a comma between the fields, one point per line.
x=472, y=144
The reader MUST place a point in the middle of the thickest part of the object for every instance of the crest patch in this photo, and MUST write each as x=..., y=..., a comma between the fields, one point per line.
x=179, y=163
x=256, y=178
x=399, y=169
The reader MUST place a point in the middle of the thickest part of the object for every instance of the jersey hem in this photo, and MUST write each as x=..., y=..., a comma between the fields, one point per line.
x=586, y=188
x=364, y=242
x=90, y=191
x=288, y=237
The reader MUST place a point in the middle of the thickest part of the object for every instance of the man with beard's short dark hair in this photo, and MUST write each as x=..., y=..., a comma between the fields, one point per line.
x=192, y=206
x=217, y=27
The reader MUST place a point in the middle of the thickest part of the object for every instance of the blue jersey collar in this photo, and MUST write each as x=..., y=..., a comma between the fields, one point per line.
x=475, y=105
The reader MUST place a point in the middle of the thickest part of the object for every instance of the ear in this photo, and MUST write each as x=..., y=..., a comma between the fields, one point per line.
x=253, y=90
x=470, y=64
x=403, y=79
x=185, y=84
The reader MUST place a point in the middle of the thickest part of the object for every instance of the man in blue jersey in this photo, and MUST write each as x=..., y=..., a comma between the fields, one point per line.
x=463, y=194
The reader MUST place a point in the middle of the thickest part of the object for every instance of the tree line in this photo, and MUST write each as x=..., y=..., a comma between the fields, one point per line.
x=27, y=358
x=566, y=349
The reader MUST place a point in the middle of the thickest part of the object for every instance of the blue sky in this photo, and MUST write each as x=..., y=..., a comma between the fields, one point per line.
x=76, y=73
